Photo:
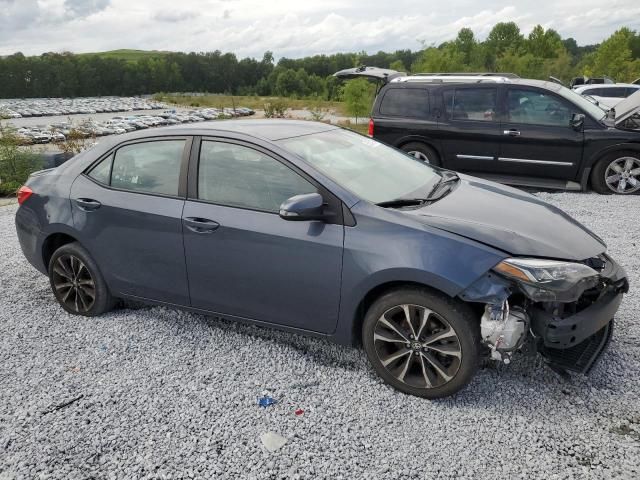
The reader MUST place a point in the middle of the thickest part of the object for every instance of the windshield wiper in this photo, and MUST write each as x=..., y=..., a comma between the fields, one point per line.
x=437, y=192
x=402, y=202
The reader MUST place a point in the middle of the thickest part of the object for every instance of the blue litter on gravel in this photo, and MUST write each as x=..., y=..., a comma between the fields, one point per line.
x=266, y=401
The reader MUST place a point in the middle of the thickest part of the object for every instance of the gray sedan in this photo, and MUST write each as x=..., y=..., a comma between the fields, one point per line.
x=311, y=228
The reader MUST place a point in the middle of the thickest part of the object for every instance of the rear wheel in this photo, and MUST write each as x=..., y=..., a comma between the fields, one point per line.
x=77, y=283
x=422, y=152
x=421, y=342
x=617, y=173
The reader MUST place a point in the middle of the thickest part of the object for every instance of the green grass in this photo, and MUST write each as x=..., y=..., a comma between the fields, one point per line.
x=127, y=54
x=254, y=102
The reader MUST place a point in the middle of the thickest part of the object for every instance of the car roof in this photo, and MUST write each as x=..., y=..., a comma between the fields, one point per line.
x=266, y=129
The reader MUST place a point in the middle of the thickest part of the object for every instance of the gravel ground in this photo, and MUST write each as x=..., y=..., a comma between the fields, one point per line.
x=158, y=393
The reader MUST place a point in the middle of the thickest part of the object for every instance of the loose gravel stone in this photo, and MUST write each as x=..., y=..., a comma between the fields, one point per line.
x=154, y=392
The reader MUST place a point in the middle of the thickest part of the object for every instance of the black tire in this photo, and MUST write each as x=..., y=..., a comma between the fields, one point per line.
x=421, y=377
x=423, y=152
x=77, y=283
x=605, y=168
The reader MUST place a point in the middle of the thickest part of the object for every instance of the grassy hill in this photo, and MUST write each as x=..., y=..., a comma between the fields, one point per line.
x=127, y=54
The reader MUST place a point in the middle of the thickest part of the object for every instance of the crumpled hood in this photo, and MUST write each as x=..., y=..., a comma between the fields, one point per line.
x=510, y=220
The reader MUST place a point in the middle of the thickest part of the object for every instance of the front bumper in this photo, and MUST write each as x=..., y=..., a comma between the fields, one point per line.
x=558, y=333
x=575, y=341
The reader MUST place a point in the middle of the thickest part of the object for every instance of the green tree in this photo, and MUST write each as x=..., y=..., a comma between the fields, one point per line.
x=544, y=44
x=445, y=58
x=502, y=37
x=15, y=164
x=358, y=95
x=614, y=58
x=398, y=66
x=466, y=44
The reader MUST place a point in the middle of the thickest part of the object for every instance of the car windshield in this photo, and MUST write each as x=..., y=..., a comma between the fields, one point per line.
x=591, y=108
x=373, y=171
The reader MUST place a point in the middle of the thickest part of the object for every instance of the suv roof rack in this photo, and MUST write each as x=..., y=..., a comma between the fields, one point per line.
x=452, y=79
x=467, y=74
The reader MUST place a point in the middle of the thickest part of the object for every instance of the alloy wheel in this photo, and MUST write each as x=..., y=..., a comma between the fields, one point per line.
x=623, y=175
x=73, y=283
x=419, y=155
x=417, y=346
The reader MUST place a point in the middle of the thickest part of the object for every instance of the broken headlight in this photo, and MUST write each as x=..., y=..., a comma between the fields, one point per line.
x=549, y=280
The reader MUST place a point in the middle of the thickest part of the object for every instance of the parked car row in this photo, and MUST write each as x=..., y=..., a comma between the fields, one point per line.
x=59, y=131
x=41, y=107
x=511, y=130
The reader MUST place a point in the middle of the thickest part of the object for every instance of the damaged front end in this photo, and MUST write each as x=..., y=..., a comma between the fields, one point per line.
x=563, y=310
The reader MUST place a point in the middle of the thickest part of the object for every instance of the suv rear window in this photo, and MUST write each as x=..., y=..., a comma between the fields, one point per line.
x=405, y=102
x=471, y=104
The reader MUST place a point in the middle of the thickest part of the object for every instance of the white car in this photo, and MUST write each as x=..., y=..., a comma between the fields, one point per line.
x=608, y=95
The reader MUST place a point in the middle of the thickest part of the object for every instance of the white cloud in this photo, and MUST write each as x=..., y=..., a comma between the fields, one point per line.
x=288, y=27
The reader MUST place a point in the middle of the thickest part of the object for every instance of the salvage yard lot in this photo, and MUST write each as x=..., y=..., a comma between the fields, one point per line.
x=158, y=393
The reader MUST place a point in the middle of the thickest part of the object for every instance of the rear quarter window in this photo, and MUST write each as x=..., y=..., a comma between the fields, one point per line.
x=405, y=102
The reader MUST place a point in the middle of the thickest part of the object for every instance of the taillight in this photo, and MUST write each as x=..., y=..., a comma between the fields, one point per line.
x=370, y=133
x=23, y=193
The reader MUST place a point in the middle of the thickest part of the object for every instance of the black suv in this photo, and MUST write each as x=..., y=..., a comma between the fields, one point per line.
x=511, y=130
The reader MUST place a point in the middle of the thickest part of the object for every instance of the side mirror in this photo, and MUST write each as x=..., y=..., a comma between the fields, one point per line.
x=577, y=121
x=303, y=207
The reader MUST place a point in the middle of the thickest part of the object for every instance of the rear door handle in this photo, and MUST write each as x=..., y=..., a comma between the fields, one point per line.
x=88, y=204
x=200, y=225
x=512, y=132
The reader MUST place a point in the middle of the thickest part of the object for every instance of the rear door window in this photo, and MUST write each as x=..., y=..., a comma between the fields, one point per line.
x=101, y=173
x=151, y=167
x=405, y=102
x=477, y=104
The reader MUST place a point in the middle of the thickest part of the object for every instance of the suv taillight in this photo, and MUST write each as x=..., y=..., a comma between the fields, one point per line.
x=23, y=193
x=371, y=125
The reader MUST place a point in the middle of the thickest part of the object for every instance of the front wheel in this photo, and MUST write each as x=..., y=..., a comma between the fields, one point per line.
x=421, y=342
x=617, y=173
x=77, y=282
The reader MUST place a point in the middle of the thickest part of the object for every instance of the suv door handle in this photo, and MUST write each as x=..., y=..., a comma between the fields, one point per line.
x=512, y=132
x=88, y=204
x=200, y=225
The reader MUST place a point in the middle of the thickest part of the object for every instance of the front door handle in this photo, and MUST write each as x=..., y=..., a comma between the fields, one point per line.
x=200, y=225
x=88, y=204
x=512, y=132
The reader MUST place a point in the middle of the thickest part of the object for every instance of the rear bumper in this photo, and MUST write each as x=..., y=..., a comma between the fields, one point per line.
x=30, y=237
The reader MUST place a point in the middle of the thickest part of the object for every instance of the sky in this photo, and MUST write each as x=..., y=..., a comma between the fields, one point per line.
x=289, y=28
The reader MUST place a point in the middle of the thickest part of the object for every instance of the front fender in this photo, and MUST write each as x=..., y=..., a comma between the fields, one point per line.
x=626, y=146
x=390, y=248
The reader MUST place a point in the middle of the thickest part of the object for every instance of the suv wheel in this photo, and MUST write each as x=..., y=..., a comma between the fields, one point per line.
x=617, y=173
x=421, y=342
x=422, y=152
x=77, y=283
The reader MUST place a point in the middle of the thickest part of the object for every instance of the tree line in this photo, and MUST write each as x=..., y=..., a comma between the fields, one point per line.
x=539, y=54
